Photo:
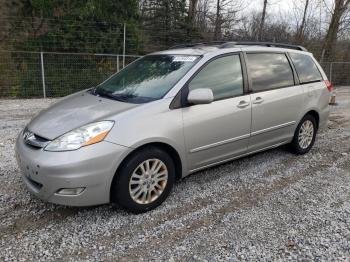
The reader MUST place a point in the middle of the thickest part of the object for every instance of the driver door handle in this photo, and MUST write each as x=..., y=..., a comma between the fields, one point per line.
x=243, y=104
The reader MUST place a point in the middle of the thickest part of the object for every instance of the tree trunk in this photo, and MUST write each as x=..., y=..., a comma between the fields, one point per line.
x=192, y=11
x=300, y=32
x=167, y=22
x=191, y=17
x=262, y=21
x=217, y=31
x=332, y=32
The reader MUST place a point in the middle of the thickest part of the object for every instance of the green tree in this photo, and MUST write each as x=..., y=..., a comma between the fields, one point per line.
x=92, y=26
x=165, y=23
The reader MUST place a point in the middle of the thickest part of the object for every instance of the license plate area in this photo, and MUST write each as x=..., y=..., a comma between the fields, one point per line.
x=28, y=170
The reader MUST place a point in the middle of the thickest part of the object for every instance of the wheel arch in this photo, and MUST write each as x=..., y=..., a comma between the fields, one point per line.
x=174, y=154
x=315, y=114
x=170, y=150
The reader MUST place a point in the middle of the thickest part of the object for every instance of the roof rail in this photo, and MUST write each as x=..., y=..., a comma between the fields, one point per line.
x=213, y=43
x=268, y=44
x=228, y=44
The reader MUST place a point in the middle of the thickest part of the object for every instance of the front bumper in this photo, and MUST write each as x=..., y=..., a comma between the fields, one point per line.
x=91, y=167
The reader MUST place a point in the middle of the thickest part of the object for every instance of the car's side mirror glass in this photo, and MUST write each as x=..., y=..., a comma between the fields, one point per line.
x=200, y=96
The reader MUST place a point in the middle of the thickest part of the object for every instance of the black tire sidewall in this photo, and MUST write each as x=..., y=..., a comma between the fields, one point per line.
x=295, y=143
x=120, y=187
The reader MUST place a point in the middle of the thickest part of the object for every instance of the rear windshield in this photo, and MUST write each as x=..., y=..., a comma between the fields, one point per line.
x=306, y=68
x=147, y=79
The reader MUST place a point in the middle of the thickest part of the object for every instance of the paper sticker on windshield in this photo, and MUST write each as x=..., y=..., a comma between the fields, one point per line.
x=184, y=58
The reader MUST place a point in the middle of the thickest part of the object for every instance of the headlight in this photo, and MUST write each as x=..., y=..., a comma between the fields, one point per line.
x=82, y=136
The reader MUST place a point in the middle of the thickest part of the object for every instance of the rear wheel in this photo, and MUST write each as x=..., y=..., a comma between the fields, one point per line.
x=144, y=181
x=305, y=134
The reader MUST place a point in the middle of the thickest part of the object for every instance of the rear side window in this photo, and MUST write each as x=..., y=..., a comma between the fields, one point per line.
x=222, y=75
x=306, y=68
x=269, y=71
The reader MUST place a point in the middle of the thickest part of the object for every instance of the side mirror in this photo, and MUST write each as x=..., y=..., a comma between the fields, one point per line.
x=200, y=96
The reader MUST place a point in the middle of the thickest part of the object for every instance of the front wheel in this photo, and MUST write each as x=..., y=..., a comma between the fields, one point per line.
x=144, y=181
x=305, y=134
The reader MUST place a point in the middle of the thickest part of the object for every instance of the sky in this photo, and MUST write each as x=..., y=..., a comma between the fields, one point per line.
x=284, y=5
x=292, y=10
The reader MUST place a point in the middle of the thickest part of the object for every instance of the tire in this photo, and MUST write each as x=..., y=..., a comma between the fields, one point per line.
x=298, y=146
x=133, y=177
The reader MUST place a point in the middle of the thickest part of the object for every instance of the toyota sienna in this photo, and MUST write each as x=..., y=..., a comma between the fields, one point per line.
x=169, y=114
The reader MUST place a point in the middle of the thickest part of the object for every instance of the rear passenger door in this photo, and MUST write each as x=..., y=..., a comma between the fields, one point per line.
x=276, y=99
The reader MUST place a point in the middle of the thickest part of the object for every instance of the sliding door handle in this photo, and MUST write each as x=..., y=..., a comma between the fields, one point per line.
x=258, y=100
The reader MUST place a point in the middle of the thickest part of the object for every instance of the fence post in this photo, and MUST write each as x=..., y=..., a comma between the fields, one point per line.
x=330, y=72
x=43, y=73
x=124, y=47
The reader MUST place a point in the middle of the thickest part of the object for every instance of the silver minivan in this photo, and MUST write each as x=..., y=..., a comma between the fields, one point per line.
x=169, y=114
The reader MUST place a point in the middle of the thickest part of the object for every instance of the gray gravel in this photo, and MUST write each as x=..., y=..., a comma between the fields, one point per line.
x=270, y=206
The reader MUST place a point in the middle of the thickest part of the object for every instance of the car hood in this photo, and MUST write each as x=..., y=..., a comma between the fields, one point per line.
x=75, y=111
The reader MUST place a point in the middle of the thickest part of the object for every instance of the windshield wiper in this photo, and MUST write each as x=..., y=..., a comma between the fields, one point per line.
x=92, y=90
x=125, y=96
x=101, y=93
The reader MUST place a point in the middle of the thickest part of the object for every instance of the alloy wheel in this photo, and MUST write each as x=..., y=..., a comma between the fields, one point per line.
x=306, y=133
x=148, y=181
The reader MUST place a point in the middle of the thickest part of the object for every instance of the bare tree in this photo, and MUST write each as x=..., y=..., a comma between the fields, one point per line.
x=203, y=9
x=340, y=8
x=217, y=31
x=262, y=21
x=192, y=10
x=225, y=16
x=299, y=37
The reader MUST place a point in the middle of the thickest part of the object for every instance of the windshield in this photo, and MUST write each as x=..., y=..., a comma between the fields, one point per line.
x=146, y=79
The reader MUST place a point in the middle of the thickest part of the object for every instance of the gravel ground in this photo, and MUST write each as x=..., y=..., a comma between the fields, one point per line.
x=269, y=206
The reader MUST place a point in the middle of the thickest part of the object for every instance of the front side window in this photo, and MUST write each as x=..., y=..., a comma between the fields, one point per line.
x=222, y=75
x=306, y=68
x=147, y=79
x=269, y=71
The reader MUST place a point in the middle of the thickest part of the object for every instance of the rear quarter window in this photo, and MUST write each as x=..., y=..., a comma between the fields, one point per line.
x=306, y=68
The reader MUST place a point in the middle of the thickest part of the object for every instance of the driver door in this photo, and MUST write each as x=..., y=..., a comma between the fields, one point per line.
x=220, y=130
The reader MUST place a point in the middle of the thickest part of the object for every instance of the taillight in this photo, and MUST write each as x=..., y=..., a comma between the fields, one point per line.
x=329, y=85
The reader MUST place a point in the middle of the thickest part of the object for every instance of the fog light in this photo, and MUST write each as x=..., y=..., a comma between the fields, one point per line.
x=70, y=191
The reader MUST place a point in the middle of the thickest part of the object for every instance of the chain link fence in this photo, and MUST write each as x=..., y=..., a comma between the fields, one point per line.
x=52, y=74
x=337, y=72
x=80, y=53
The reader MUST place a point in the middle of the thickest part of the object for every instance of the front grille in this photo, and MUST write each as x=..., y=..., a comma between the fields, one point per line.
x=34, y=140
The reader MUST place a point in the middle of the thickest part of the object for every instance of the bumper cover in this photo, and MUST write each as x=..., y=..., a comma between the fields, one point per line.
x=92, y=167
